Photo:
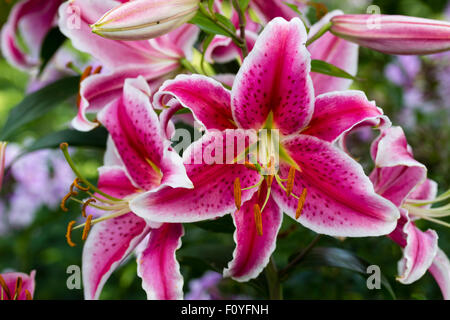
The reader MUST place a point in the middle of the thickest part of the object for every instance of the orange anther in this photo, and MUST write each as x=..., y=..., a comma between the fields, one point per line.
x=69, y=233
x=83, y=209
x=87, y=228
x=237, y=193
x=301, y=202
x=258, y=219
x=290, y=181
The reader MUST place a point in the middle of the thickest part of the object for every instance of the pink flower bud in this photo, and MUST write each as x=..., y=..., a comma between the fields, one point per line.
x=145, y=19
x=394, y=34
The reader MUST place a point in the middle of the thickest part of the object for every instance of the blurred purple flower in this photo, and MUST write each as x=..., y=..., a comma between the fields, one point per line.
x=205, y=288
x=38, y=178
x=403, y=70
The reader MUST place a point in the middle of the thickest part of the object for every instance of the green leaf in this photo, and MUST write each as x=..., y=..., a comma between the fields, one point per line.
x=323, y=67
x=37, y=104
x=293, y=7
x=340, y=258
x=221, y=225
x=226, y=22
x=206, y=24
x=211, y=6
x=52, y=42
x=206, y=44
x=94, y=139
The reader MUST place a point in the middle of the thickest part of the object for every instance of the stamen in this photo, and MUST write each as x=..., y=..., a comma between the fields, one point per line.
x=66, y=197
x=76, y=183
x=111, y=216
x=69, y=233
x=83, y=209
x=97, y=70
x=254, y=186
x=290, y=181
x=64, y=147
x=250, y=166
x=258, y=219
x=18, y=288
x=301, y=202
x=86, y=73
x=5, y=288
x=237, y=193
x=87, y=228
x=28, y=295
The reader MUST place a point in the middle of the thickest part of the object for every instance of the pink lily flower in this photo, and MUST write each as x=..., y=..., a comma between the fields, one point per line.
x=17, y=286
x=328, y=48
x=325, y=189
x=138, y=159
x=32, y=19
x=2, y=161
x=401, y=179
x=394, y=34
x=156, y=59
x=145, y=19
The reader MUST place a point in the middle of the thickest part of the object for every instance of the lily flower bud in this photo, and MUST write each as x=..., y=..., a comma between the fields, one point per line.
x=394, y=34
x=145, y=19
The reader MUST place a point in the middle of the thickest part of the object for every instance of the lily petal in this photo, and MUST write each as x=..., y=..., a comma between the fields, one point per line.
x=253, y=251
x=337, y=51
x=222, y=49
x=337, y=113
x=419, y=249
x=75, y=18
x=108, y=244
x=205, y=97
x=158, y=266
x=130, y=120
x=32, y=19
x=275, y=77
x=426, y=191
x=397, y=173
x=111, y=241
x=440, y=269
x=340, y=199
x=212, y=195
x=97, y=91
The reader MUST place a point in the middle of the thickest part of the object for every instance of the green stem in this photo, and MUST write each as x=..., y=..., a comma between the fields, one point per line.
x=284, y=272
x=64, y=147
x=273, y=281
x=213, y=19
x=319, y=33
x=242, y=24
x=188, y=65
